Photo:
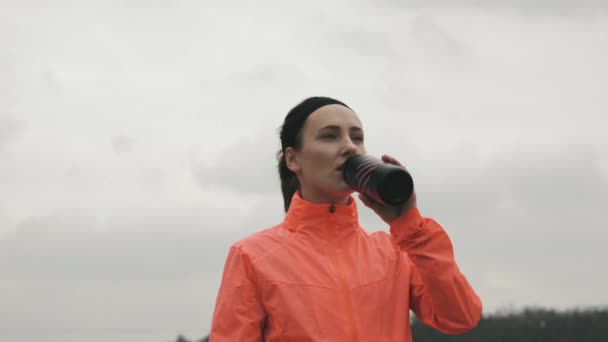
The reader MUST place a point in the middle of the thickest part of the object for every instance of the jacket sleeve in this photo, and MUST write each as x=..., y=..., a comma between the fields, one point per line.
x=239, y=313
x=440, y=295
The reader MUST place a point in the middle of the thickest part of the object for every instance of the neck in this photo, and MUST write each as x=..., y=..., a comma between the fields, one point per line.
x=317, y=198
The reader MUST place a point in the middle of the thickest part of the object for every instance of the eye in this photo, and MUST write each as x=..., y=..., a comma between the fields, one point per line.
x=328, y=136
x=358, y=138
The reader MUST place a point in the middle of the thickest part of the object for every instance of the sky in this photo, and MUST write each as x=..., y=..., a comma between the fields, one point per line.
x=138, y=142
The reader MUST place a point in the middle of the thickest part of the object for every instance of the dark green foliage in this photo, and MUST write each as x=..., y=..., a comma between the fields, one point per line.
x=180, y=338
x=529, y=325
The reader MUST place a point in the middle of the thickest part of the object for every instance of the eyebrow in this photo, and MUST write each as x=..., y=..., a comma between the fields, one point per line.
x=337, y=128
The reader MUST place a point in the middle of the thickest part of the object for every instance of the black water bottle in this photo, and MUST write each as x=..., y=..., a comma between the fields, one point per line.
x=385, y=183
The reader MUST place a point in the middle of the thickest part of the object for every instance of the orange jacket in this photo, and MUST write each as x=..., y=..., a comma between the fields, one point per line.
x=318, y=276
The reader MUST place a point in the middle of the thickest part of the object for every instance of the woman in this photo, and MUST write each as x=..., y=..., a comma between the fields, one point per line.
x=318, y=276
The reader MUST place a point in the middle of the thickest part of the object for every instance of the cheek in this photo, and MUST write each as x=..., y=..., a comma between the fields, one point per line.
x=321, y=158
x=317, y=165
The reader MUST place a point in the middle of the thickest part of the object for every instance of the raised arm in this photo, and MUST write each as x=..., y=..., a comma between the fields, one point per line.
x=440, y=295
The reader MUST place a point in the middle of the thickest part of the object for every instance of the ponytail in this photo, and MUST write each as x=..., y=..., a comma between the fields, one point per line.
x=289, y=181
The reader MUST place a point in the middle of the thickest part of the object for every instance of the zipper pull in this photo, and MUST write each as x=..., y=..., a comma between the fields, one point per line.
x=332, y=208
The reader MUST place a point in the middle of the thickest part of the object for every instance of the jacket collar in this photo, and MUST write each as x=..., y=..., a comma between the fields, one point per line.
x=303, y=214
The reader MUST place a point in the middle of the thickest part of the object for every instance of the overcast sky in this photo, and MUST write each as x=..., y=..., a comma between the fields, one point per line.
x=137, y=142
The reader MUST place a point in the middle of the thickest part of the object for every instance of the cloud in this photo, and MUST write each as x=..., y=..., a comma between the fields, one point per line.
x=122, y=144
x=267, y=74
x=247, y=166
x=78, y=246
x=138, y=271
x=527, y=214
x=10, y=129
x=562, y=7
x=133, y=243
x=145, y=4
x=49, y=82
x=435, y=42
x=541, y=179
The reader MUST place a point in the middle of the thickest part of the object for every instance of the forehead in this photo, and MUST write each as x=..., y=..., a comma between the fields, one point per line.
x=332, y=115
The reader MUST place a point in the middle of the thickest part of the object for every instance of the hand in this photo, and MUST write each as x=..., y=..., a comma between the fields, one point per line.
x=389, y=213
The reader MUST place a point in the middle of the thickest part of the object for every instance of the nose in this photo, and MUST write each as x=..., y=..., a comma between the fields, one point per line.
x=349, y=148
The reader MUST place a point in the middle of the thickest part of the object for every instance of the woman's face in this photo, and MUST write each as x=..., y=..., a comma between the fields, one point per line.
x=330, y=135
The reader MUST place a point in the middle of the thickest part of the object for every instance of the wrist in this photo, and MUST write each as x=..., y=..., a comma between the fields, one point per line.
x=408, y=223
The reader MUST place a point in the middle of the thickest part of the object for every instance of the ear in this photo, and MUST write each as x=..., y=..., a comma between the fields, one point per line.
x=292, y=161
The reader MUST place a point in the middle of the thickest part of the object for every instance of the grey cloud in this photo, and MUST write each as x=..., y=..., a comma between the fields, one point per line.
x=144, y=4
x=261, y=75
x=10, y=129
x=72, y=269
x=361, y=42
x=532, y=211
x=49, y=81
x=265, y=74
x=399, y=53
x=435, y=41
x=122, y=144
x=564, y=7
x=564, y=177
x=394, y=41
x=247, y=166
x=175, y=246
x=543, y=180
x=135, y=4
x=256, y=78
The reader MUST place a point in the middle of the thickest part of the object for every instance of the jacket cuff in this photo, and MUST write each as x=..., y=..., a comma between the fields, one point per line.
x=407, y=225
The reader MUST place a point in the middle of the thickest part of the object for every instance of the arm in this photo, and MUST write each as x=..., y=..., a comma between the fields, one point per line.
x=440, y=295
x=239, y=313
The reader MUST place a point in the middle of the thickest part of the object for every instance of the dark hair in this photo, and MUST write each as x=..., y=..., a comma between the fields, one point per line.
x=291, y=136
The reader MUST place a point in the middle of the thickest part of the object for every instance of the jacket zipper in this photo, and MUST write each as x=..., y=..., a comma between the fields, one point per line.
x=344, y=288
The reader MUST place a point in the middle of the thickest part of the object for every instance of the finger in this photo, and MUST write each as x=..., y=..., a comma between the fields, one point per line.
x=388, y=159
